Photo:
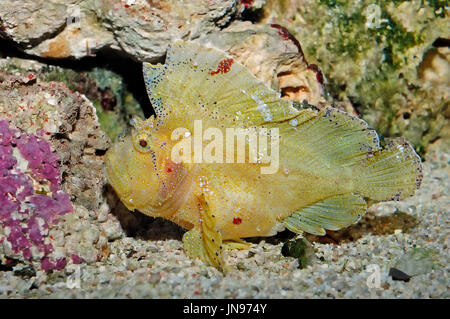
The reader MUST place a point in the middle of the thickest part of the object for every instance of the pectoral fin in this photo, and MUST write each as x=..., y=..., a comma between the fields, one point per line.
x=205, y=241
x=239, y=244
x=332, y=213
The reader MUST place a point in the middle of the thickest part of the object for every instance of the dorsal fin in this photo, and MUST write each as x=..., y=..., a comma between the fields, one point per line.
x=198, y=82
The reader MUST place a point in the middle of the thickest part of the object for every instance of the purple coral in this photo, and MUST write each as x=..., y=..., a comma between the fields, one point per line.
x=31, y=201
x=41, y=160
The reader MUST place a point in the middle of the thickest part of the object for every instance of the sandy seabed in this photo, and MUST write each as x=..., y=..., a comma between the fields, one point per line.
x=138, y=268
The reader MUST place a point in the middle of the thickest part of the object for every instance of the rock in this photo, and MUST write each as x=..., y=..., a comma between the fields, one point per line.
x=60, y=150
x=154, y=278
x=300, y=249
x=24, y=271
x=68, y=121
x=112, y=229
x=132, y=264
x=274, y=56
x=114, y=104
x=417, y=261
x=382, y=56
x=139, y=28
x=31, y=199
x=399, y=275
x=142, y=30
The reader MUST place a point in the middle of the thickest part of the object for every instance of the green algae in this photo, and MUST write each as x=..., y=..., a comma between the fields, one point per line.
x=114, y=104
x=372, y=53
x=300, y=249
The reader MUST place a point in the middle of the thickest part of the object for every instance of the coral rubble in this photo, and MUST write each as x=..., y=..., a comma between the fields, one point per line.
x=31, y=199
x=49, y=116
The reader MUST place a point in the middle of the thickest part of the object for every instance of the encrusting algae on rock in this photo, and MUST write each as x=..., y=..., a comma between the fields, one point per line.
x=323, y=165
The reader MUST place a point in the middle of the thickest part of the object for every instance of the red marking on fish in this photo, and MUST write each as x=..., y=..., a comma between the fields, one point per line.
x=224, y=66
x=237, y=220
x=247, y=3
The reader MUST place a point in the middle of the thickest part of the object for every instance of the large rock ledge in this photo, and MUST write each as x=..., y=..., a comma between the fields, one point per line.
x=142, y=29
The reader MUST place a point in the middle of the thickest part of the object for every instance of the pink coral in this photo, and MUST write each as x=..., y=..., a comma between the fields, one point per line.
x=26, y=213
x=41, y=160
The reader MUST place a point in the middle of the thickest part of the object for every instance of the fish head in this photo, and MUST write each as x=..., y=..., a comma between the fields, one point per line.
x=133, y=166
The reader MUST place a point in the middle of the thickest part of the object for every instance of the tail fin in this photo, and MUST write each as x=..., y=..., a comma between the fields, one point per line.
x=391, y=173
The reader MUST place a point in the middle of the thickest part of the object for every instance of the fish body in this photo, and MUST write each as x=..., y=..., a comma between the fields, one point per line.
x=315, y=171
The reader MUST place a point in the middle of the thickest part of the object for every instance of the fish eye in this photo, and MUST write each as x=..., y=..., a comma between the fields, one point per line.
x=143, y=143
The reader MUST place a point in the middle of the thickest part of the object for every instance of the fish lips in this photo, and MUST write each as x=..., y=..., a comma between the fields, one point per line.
x=116, y=160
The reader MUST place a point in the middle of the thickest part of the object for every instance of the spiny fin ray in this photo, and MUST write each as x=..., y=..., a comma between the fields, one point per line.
x=331, y=139
x=196, y=83
x=392, y=173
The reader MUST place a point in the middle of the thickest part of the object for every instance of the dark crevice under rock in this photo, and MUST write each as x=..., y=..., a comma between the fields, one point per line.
x=126, y=66
x=370, y=223
x=138, y=225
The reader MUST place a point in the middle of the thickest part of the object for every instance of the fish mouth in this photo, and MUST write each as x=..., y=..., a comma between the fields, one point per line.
x=116, y=171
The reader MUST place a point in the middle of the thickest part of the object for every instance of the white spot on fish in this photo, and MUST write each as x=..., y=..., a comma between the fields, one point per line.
x=262, y=107
x=293, y=122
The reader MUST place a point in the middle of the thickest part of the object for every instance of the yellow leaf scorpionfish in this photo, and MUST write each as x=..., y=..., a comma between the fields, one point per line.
x=182, y=165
